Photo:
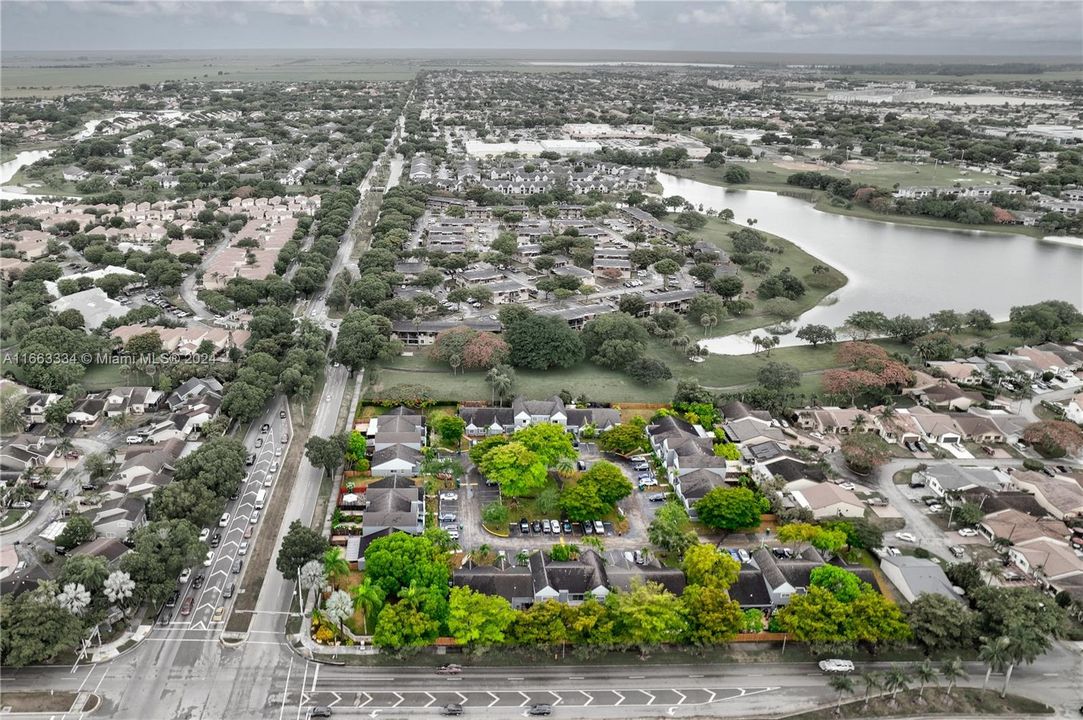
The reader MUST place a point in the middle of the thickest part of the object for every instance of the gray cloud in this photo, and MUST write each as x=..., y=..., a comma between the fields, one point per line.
x=975, y=27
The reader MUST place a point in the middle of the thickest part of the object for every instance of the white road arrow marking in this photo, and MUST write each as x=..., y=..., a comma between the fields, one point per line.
x=590, y=698
x=338, y=698
x=432, y=699
x=671, y=711
x=491, y=694
x=619, y=701
x=366, y=701
x=683, y=697
x=400, y=699
x=651, y=701
x=713, y=695
x=526, y=698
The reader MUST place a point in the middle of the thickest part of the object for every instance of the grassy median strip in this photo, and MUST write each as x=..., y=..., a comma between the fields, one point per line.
x=41, y=702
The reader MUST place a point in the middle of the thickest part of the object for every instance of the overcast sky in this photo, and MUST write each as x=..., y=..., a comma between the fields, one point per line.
x=913, y=27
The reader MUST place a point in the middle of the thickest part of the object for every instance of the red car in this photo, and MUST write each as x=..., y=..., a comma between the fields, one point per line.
x=248, y=531
x=186, y=608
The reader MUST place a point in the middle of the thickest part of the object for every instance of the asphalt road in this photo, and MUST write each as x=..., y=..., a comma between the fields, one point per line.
x=265, y=680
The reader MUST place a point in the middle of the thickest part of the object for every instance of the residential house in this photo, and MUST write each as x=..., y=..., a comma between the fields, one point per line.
x=1014, y=526
x=131, y=400
x=785, y=578
x=35, y=406
x=1062, y=497
x=916, y=576
x=24, y=452
x=117, y=518
x=396, y=460
x=88, y=411
x=825, y=500
x=394, y=504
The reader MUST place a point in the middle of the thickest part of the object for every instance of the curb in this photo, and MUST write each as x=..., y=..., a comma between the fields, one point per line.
x=24, y=520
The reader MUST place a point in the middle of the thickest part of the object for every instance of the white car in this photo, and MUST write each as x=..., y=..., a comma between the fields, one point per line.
x=847, y=486
x=209, y=559
x=449, y=496
x=185, y=574
x=204, y=534
x=837, y=666
x=968, y=532
x=906, y=537
x=243, y=549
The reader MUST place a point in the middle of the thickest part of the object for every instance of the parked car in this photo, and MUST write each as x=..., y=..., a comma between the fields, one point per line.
x=539, y=710
x=968, y=532
x=186, y=608
x=906, y=537
x=259, y=443
x=449, y=495
x=599, y=528
x=282, y=414
x=957, y=550
x=641, y=467
x=536, y=526
x=545, y=527
x=172, y=601
x=185, y=574
x=449, y=669
x=319, y=711
x=567, y=525
x=209, y=559
x=265, y=428
x=219, y=614
x=204, y=534
x=243, y=548
x=524, y=526
x=228, y=592
x=448, y=517
x=198, y=582
x=657, y=497
x=452, y=709
x=847, y=486
x=588, y=527
x=237, y=566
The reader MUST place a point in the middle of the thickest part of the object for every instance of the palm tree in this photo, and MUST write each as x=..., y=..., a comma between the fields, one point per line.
x=953, y=671
x=872, y=681
x=681, y=342
x=996, y=655
x=312, y=577
x=843, y=685
x=118, y=587
x=369, y=598
x=335, y=564
x=74, y=598
x=925, y=673
x=707, y=320
x=897, y=679
x=565, y=467
x=501, y=381
x=338, y=607
x=758, y=342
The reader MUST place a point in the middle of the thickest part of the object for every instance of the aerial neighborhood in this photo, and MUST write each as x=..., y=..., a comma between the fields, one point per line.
x=522, y=367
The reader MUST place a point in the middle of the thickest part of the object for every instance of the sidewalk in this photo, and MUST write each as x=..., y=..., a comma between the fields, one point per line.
x=129, y=638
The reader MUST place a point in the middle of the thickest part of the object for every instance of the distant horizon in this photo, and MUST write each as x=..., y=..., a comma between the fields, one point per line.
x=584, y=54
x=955, y=28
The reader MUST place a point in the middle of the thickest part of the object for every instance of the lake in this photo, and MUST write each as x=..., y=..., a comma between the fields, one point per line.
x=897, y=269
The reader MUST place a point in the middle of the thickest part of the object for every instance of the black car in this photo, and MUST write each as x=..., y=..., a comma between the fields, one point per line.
x=265, y=428
x=567, y=526
x=282, y=414
x=320, y=711
x=237, y=565
x=198, y=582
x=452, y=709
x=540, y=710
x=172, y=601
x=228, y=592
x=524, y=526
x=536, y=526
x=216, y=540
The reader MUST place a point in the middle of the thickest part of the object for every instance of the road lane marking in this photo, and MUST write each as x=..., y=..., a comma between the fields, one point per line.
x=683, y=697
x=315, y=675
x=282, y=707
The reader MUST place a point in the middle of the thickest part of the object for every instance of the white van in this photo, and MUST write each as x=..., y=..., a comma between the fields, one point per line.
x=133, y=439
x=224, y=520
x=260, y=497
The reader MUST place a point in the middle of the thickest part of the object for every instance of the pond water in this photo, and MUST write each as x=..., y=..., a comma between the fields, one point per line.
x=897, y=269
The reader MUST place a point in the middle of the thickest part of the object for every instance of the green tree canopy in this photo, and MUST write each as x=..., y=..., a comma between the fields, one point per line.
x=730, y=508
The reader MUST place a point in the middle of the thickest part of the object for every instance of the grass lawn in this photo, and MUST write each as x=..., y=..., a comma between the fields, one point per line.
x=41, y=702
x=962, y=702
x=107, y=377
x=12, y=517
